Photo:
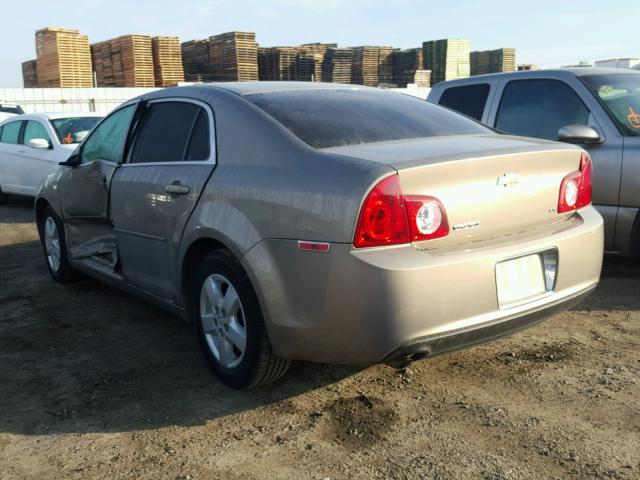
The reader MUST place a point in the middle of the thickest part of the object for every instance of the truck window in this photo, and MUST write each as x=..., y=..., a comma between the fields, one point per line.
x=539, y=108
x=467, y=99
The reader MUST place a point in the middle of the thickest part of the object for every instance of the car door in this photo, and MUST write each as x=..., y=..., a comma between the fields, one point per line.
x=10, y=161
x=84, y=191
x=154, y=192
x=36, y=163
x=539, y=107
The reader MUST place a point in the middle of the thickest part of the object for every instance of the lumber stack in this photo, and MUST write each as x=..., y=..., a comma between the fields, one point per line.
x=405, y=65
x=493, y=61
x=278, y=63
x=385, y=66
x=480, y=62
x=365, y=67
x=336, y=67
x=421, y=78
x=167, y=61
x=310, y=60
x=29, y=74
x=64, y=58
x=195, y=61
x=502, y=60
x=447, y=59
x=126, y=61
x=233, y=56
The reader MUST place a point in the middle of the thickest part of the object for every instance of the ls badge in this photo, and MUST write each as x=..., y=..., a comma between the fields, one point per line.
x=508, y=180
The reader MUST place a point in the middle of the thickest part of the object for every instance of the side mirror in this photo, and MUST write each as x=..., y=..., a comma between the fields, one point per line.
x=40, y=143
x=579, y=134
x=72, y=161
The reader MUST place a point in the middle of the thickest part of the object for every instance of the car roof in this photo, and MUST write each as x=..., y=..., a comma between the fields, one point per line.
x=250, y=88
x=556, y=72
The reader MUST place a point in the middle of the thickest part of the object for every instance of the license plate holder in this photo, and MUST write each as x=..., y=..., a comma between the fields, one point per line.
x=521, y=280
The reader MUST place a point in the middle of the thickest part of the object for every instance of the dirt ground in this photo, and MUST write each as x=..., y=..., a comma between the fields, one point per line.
x=96, y=384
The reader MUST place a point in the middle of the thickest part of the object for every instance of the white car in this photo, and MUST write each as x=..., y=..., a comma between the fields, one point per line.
x=32, y=146
x=9, y=110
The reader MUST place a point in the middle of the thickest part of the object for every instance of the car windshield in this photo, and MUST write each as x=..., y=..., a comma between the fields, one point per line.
x=620, y=94
x=331, y=118
x=72, y=130
x=11, y=109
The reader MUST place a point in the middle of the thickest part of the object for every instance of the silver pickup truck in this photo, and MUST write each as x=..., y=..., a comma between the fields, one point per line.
x=596, y=108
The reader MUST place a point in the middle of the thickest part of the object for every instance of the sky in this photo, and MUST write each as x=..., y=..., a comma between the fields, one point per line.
x=549, y=33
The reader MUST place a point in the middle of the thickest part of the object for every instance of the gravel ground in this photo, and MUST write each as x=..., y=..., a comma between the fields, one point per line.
x=96, y=384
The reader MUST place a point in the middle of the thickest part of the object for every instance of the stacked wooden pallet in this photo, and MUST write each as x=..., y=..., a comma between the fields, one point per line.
x=167, y=61
x=102, y=65
x=29, y=74
x=447, y=59
x=385, y=66
x=503, y=60
x=310, y=59
x=366, y=62
x=336, y=67
x=233, y=56
x=195, y=61
x=64, y=58
x=421, y=78
x=137, y=60
x=405, y=65
x=480, y=62
x=278, y=63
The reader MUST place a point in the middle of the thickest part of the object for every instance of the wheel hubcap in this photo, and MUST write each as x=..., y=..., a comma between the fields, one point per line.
x=223, y=320
x=52, y=243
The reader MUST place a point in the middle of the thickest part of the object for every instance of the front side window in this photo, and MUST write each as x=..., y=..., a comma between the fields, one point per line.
x=171, y=132
x=35, y=130
x=620, y=95
x=11, y=132
x=73, y=130
x=539, y=108
x=107, y=140
x=467, y=99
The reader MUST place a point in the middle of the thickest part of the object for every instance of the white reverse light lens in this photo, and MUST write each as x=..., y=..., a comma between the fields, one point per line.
x=429, y=218
x=571, y=193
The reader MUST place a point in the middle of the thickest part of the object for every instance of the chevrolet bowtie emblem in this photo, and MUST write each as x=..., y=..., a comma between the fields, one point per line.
x=508, y=180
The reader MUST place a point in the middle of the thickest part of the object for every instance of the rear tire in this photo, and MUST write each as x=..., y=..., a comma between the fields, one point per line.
x=3, y=197
x=230, y=326
x=55, y=247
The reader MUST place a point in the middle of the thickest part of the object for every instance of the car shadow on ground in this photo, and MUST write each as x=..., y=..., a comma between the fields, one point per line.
x=88, y=358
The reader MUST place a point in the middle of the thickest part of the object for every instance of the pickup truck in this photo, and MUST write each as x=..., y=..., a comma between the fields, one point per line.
x=596, y=108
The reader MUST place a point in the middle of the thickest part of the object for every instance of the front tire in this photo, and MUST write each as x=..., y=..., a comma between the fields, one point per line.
x=230, y=326
x=55, y=247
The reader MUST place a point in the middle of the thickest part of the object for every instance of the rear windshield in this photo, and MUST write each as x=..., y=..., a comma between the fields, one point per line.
x=332, y=118
x=15, y=109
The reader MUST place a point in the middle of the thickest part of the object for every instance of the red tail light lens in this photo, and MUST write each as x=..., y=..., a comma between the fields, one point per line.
x=389, y=218
x=575, y=189
x=383, y=218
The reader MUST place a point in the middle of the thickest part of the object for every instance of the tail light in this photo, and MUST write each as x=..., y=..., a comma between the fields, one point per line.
x=575, y=189
x=390, y=218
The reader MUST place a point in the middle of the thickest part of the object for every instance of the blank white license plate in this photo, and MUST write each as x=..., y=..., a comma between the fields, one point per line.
x=520, y=279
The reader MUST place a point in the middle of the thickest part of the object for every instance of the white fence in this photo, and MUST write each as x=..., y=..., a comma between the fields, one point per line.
x=100, y=100
x=60, y=100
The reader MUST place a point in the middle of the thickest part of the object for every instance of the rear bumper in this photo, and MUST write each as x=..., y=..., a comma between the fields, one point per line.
x=364, y=306
x=431, y=346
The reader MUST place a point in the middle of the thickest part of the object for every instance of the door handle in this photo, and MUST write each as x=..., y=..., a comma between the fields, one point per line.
x=176, y=188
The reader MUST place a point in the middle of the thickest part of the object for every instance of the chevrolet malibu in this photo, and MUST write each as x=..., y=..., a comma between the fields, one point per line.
x=320, y=222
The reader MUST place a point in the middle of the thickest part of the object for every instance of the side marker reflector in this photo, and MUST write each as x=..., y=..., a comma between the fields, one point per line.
x=313, y=246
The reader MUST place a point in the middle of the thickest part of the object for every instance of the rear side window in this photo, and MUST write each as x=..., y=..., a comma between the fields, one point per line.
x=11, y=132
x=35, y=130
x=166, y=130
x=331, y=118
x=467, y=99
x=539, y=108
